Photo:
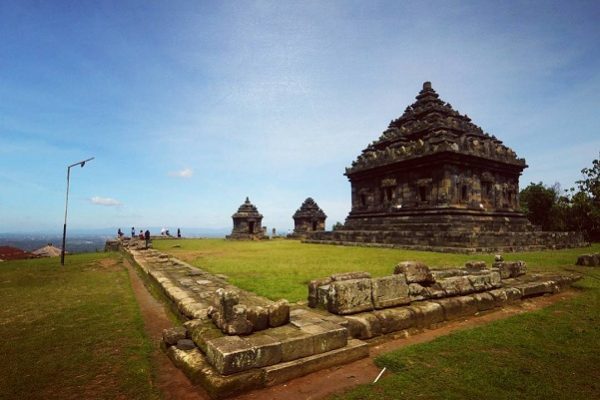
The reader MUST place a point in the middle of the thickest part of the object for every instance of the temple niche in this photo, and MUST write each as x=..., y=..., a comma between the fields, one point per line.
x=308, y=218
x=247, y=223
x=436, y=181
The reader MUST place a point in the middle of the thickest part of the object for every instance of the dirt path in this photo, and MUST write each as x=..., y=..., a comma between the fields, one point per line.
x=174, y=385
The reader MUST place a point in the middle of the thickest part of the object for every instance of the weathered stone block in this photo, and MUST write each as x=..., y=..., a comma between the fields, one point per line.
x=535, y=289
x=417, y=292
x=396, y=319
x=500, y=297
x=436, y=291
x=511, y=269
x=458, y=285
x=238, y=324
x=323, y=297
x=427, y=313
x=447, y=273
x=231, y=354
x=185, y=344
x=296, y=346
x=258, y=317
x=364, y=325
x=286, y=371
x=457, y=307
x=513, y=294
x=202, y=332
x=326, y=336
x=313, y=294
x=199, y=371
x=267, y=349
x=172, y=335
x=485, y=301
x=279, y=313
x=415, y=272
x=345, y=276
x=389, y=291
x=475, y=266
x=481, y=282
x=350, y=296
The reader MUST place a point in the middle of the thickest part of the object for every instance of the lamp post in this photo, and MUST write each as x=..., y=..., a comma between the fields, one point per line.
x=62, y=252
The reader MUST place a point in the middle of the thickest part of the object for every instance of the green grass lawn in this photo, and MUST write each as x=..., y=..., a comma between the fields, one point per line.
x=282, y=268
x=72, y=332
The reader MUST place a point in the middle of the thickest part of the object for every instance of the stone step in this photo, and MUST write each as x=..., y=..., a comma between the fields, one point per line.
x=200, y=372
x=283, y=372
x=233, y=354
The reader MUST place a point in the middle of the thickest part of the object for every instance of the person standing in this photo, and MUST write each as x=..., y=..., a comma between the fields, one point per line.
x=132, y=232
x=147, y=237
x=178, y=232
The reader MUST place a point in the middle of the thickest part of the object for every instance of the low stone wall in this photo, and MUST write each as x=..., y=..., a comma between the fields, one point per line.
x=416, y=297
x=234, y=340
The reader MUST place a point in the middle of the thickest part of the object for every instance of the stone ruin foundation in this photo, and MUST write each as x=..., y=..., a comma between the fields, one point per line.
x=235, y=341
x=436, y=181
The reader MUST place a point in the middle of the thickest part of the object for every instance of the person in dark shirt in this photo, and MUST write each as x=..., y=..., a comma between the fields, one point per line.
x=147, y=237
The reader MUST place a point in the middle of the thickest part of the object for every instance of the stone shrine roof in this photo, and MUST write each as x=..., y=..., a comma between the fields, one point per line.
x=247, y=210
x=430, y=126
x=309, y=209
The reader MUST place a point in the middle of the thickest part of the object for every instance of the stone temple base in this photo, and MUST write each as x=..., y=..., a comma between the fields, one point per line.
x=246, y=236
x=458, y=232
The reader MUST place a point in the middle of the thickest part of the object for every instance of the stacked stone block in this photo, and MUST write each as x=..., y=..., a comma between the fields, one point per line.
x=415, y=297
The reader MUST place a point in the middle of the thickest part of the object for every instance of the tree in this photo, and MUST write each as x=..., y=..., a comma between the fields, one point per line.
x=586, y=202
x=537, y=202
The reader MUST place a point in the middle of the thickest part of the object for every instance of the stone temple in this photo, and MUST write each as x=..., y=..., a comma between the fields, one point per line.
x=436, y=181
x=247, y=223
x=308, y=218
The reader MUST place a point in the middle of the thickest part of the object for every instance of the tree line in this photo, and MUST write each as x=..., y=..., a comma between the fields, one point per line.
x=574, y=209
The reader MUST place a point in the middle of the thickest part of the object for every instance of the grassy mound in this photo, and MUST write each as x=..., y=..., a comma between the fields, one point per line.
x=72, y=332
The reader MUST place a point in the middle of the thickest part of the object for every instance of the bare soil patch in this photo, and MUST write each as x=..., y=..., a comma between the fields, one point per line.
x=172, y=383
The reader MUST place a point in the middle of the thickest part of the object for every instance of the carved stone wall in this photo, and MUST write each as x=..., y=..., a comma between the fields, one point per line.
x=308, y=218
x=436, y=181
x=247, y=223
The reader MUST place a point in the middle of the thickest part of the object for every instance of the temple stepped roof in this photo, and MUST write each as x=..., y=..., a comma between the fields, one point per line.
x=247, y=210
x=430, y=126
x=309, y=209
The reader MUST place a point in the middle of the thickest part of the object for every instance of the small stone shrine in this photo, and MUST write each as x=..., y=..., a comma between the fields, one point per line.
x=308, y=218
x=436, y=181
x=247, y=223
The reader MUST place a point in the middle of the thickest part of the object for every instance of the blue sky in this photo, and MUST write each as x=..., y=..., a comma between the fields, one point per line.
x=191, y=106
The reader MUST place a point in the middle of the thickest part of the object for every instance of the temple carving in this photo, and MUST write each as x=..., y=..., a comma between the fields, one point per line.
x=247, y=223
x=308, y=218
x=434, y=180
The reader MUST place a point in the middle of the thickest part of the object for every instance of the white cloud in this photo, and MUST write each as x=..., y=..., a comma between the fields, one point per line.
x=184, y=173
x=105, y=201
